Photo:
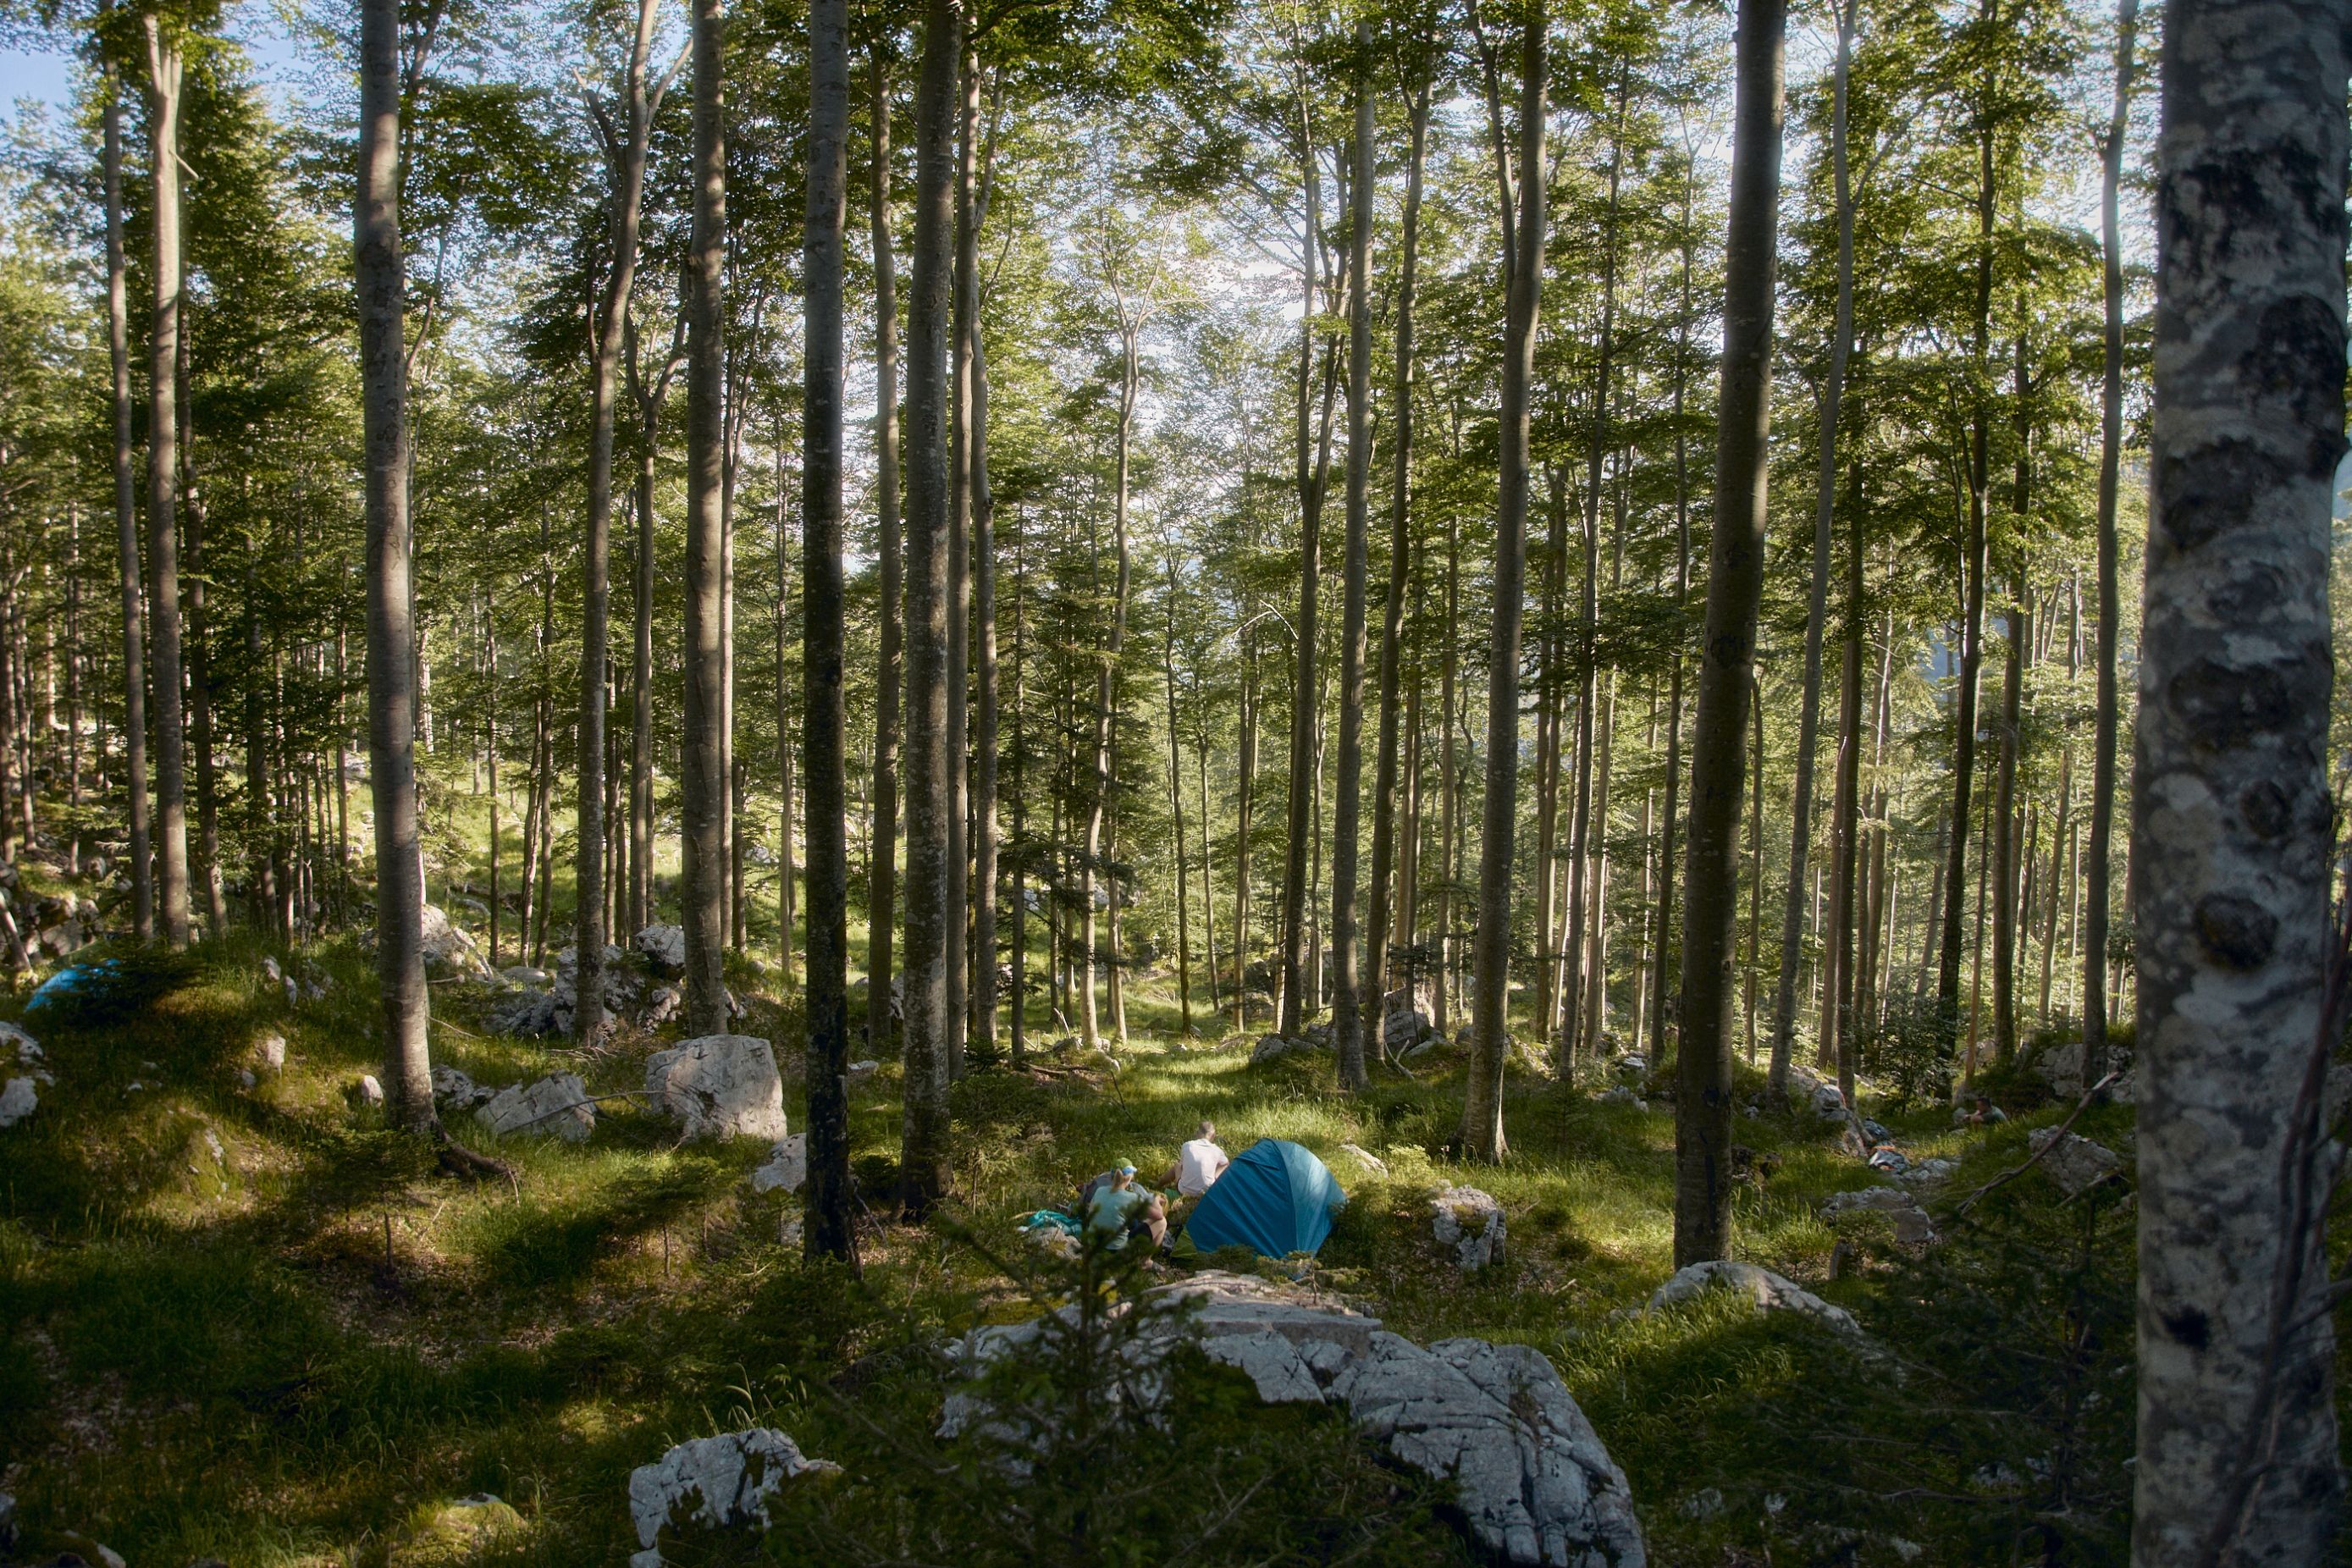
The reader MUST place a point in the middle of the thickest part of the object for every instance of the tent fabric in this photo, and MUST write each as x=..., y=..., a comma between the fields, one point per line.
x=1275, y=1198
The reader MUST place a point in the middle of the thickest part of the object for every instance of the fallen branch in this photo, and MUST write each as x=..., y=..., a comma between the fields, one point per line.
x=468, y=1166
x=2006, y=1177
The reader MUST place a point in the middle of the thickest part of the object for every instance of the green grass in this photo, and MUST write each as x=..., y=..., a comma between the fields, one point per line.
x=297, y=1354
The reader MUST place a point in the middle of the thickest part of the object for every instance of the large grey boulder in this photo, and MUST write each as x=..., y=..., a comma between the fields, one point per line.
x=449, y=947
x=719, y=1086
x=714, y=1483
x=555, y=1106
x=1535, y=1484
x=1470, y=1222
x=1912, y=1225
x=2073, y=1163
x=1770, y=1293
x=1269, y=1048
x=787, y=1166
x=530, y=1014
x=455, y=1090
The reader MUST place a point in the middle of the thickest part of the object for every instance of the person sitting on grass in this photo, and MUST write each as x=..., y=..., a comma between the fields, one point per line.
x=1119, y=1209
x=1198, y=1163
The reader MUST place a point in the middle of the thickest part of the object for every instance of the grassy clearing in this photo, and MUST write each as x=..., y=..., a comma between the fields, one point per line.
x=300, y=1350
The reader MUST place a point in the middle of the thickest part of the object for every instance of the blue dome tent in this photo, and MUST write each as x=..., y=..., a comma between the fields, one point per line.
x=1275, y=1198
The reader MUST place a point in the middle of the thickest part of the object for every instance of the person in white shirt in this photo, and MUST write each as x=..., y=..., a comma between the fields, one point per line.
x=1199, y=1163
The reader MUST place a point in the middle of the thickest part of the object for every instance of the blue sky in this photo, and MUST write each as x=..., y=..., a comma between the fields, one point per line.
x=48, y=76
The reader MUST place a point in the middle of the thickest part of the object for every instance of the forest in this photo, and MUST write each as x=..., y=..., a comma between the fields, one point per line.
x=1135, y=782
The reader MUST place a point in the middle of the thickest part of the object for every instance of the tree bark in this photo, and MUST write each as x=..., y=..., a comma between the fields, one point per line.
x=1347, y=992
x=1735, y=581
x=1107, y=687
x=830, y=1231
x=924, y=1173
x=981, y=1026
x=126, y=524
x=163, y=74
x=882, y=894
x=1660, y=1004
x=703, y=882
x=1482, y=1110
x=2231, y=811
x=392, y=669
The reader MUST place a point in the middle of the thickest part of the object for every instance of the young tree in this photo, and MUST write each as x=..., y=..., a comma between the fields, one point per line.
x=165, y=67
x=392, y=642
x=830, y=1232
x=126, y=511
x=703, y=885
x=1734, y=586
x=1347, y=1009
x=883, y=875
x=1482, y=1107
x=2231, y=815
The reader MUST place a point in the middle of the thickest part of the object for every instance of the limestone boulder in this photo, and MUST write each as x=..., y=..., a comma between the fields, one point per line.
x=455, y=1091
x=663, y=947
x=1912, y=1225
x=2073, y=1163
x=719, y=1086
x=19, y=1098
x=714, y=1483
x=786, y=1168
x=1469, y=1222
x=446, y=946
x=1269, y=1048
x=556, y=1105
x=1770, y=1293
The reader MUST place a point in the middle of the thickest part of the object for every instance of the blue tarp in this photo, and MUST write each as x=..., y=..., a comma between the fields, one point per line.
x=65, y=981
x=1275, y=1198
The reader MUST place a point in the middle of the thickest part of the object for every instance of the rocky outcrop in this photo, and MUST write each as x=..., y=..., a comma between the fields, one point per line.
x=663, y=947
x=1912, y=1225
x=454, y=1090
x=446, y=946
x=2073, y=1163
x=555, y=1106
x=719, y=1086
x=1535, y=1484
x=713, y=1483
x=1470, y=1222
x=1769, y=1291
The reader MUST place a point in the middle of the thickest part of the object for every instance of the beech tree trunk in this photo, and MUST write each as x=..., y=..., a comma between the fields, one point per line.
x=923, y=1149
x=164, y=72
x=126, y=525
x=1481, y=1109
x=1735, y=581
x=883, y=858
x=1346, y=999
x=391, y=655
x=2230, y=812
x=703, y=773
x=830, y=1231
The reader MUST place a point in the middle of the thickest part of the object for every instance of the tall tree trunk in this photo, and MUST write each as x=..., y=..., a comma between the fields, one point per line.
x=1346, y=999
x=1245, y=780
x=1735, y=581
x=200, y=727
x=624, y=161
x=163, y=71
x=126, y=525
x=2238, y=1013
x=1481, y=1109
x=1836, y=1026
x=1449, y=779
x=2100, y=852
x=1662, y=1008
x=923, y=1151
x=2006, y=859
x=703, y=885
x=882, y=894
x=982, y=1023
x=1176, y=814
x=831, y=1231
x=642, y=898
x=392, y=670
x=962, y=289
x=1393, y=824
x=1107, y=686
x=1020, y=860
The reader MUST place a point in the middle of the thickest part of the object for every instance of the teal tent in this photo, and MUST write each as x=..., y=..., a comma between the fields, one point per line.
x=1275, y=1198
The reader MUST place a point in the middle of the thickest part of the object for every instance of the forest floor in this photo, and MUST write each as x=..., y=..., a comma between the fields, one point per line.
x=251, y=1322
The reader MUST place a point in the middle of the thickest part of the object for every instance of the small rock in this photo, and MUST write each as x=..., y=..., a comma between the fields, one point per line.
x=1928, y=1172
x=244, y=1077
x=271, y=1052
x=214, y=1146
x=1769, y=1291
x=17, y=1099
x=1617, y=1094
x=859, y=1072
x=2076, y=1163
x=1875, y=1132
x=28, y=1049
x=714, y=1482
x=371, y=1092
x=1371, y=1162
x=456, y=1091
x=272, y=972
x=1269, y=1048
x=791, y=1229
x=556, y=1104
x=787, y=1166
x=664, y=947
x=662, y=1005
x=1471, y=1222
x=523, y=975
x=1912, y=1225
x=719, y=1086
x=1707, y=1503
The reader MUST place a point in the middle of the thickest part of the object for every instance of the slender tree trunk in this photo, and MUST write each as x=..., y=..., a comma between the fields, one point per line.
x=831, y=1231
x=2100, y=852
x=1392, y=825
x=883, y=889
x=1176, y=814
x=1735, y=581
x=392, y=673
x=1845, y=810
x=984, y=762
x=1107, y=691
x=923, y=1159
x=962, y=288
x=2019, y=616
x=1449, y=778
x=642, y=899
x=1347, y=1009
x=703, y=885
x=1482, y=1110
x=624, y=157
x=1245, y=779
x=1020, y=859
x=1661, y=1006
x=134, y=643
x=164, y=72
